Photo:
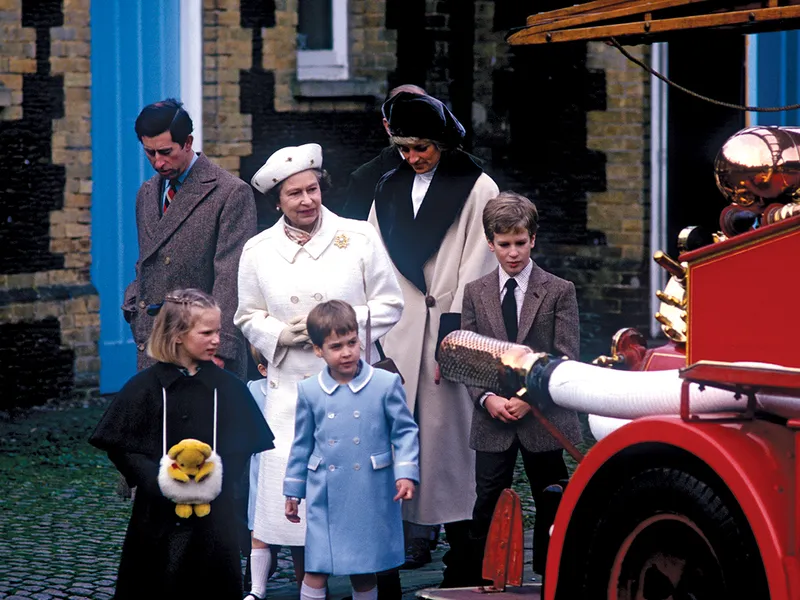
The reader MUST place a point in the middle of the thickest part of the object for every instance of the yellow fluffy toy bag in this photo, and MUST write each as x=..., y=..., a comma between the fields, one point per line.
x=190, y=473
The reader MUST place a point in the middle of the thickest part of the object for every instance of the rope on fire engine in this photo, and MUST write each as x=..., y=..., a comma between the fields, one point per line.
x=613, y=42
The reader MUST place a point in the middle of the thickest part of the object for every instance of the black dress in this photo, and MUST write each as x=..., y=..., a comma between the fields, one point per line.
x=164, y=555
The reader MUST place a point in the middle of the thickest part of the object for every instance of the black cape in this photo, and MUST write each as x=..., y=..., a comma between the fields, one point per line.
x=164, y=555
x=361, y=188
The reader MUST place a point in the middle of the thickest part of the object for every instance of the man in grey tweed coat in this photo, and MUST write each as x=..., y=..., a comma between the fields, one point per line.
x=519, y=302
x=193, y=219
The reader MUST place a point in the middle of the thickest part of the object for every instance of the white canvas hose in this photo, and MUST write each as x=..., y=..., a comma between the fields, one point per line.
x=602, y=426
x=612, y=397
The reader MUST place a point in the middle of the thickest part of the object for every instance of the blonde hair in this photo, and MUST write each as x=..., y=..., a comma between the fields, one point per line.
x=174, y=319
x=509, y=212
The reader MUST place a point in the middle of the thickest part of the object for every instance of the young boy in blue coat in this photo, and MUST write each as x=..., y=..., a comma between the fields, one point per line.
x=355, y=456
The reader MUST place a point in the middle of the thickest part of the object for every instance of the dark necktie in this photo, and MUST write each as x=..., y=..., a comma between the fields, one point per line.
x=171, y=190
x=509, y=307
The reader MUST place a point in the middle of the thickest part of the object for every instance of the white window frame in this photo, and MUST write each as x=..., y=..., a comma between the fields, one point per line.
x=191, y=49
x=328, y=64
x=659, y=114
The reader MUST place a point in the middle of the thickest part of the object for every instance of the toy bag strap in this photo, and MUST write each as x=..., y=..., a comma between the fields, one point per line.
x=214, y=447
x=368, y=351
x=164, y=424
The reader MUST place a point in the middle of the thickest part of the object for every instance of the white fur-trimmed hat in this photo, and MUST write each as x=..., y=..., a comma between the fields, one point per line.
x=285, y=163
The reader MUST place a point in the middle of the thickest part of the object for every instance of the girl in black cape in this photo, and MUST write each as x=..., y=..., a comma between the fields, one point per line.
x=164, y=555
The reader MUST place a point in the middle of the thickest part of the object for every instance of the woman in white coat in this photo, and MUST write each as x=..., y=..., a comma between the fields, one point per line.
x=309, y=256
x=429, y=213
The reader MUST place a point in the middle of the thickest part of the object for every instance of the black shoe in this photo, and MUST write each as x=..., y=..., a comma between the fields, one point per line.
x=418, y=554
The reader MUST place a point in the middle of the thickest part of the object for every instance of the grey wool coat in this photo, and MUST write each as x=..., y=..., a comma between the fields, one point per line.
x=548, y=322
x=197, y=243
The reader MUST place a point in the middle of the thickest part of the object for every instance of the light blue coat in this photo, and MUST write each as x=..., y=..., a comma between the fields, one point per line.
x=342, y=463
x=258, y=389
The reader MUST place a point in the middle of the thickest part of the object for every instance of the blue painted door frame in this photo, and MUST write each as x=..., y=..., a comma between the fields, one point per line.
x=773, y=63
x=135, y=61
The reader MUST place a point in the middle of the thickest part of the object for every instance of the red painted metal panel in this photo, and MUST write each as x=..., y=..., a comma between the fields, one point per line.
x=502, y=562
x=666, y=357
x=741, y=297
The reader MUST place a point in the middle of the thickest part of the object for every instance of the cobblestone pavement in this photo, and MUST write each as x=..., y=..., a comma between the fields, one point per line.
x=62, y=523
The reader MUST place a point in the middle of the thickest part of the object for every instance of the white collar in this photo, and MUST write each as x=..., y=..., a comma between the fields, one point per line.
x=522, y=277
x=329, y=384
x=427, y=176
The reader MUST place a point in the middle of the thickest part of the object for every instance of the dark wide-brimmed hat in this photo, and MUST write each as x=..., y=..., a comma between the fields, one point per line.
x=413, y=115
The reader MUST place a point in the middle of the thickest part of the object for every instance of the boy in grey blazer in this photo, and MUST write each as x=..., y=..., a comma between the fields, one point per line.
x=522, y=303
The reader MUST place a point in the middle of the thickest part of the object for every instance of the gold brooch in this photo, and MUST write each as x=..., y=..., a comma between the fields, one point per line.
x=341, y=241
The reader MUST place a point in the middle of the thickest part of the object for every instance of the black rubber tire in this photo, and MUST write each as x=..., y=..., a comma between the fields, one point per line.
x=700, y=519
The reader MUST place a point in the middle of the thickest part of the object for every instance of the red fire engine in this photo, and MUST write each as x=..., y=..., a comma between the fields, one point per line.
x=692, y=489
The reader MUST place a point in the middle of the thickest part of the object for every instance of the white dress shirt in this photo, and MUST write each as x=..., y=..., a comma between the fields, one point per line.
x=522, y=285
x=422, y=181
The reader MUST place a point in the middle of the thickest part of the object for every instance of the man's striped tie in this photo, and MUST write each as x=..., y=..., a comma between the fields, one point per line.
x=170, y=195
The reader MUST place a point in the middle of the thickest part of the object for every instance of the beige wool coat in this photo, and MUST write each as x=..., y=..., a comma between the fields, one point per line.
x=446, y=492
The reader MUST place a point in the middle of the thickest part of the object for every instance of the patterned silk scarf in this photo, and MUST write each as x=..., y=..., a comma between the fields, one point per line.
x=299, y=236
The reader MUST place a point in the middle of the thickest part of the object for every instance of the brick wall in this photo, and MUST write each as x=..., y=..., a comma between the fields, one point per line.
x=567, y=126
x=347, y=126
x=577, y=145
x=620, y=132
x=48, y=307
x=227, y=133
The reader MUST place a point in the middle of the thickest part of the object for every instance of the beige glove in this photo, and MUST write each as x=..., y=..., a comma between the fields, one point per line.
x=295, y=333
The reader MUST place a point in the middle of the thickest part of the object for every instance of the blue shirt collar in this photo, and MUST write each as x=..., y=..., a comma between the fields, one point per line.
x=182, y=177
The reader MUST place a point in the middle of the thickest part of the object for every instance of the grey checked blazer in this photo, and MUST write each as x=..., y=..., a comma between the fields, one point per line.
x=548, y=322
x=197, y=243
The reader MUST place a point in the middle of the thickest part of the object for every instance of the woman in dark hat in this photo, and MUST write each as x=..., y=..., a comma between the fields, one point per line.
x=429, y=213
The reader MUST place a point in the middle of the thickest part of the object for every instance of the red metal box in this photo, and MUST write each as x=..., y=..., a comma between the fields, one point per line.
x=744, y=296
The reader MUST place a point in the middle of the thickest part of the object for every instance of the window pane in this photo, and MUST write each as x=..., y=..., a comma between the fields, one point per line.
x=315, y=25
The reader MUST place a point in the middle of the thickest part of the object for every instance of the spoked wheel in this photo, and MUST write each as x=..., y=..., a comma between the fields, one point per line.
x=667, y=534
x=666, y=557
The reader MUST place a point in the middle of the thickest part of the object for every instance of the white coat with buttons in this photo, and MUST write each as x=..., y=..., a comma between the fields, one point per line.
x=352, y=443
x=279, y=280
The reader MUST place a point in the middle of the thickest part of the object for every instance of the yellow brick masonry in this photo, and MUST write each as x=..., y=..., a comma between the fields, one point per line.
x=227, y=49
x=371, y=53
x=620, y=133
x=70, y=227
x=17, y=55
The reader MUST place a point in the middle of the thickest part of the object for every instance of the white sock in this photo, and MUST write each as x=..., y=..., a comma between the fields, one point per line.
x=368, y=595
x=309, y=593
x=260, y=559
